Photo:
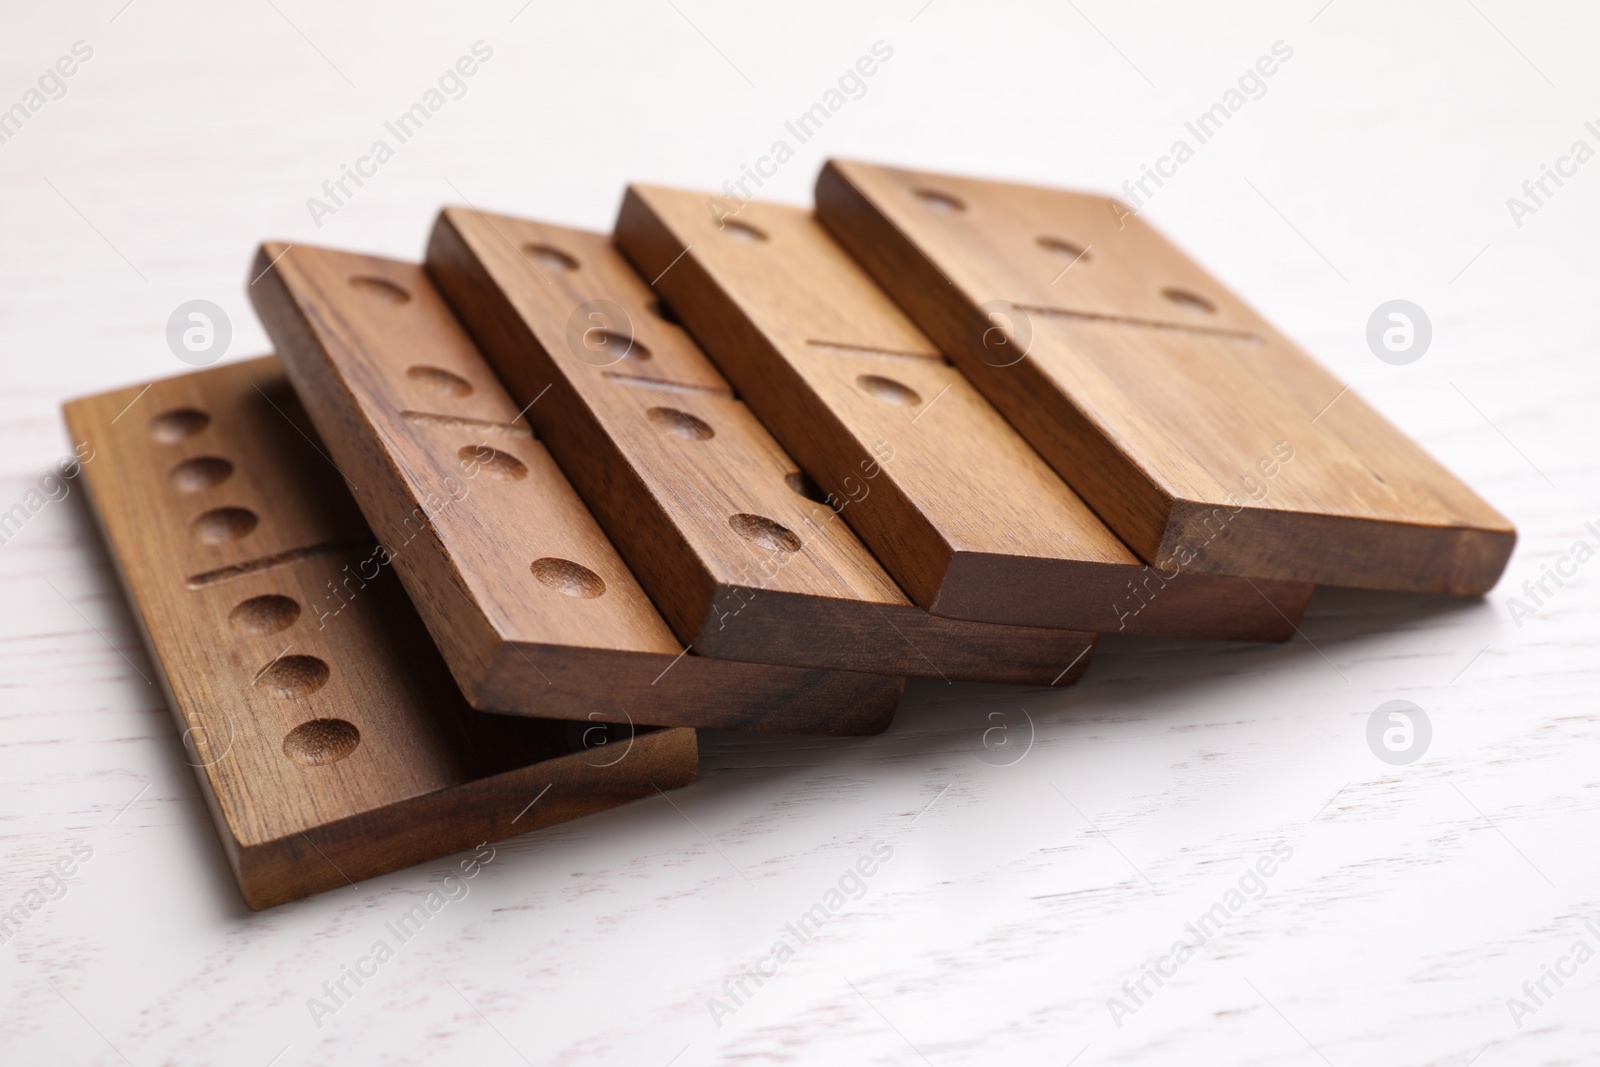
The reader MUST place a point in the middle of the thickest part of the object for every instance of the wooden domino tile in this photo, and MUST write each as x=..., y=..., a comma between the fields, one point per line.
x=1202, y=435
x=972, y=523
x=528, y=601
x=710, y=512
x=329, y=739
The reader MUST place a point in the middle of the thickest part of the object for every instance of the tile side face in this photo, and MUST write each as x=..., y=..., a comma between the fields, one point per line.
x=1191, y=425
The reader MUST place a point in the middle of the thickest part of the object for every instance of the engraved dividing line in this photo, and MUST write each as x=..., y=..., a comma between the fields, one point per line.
x=427, y=418
x=1147, y=324
x=870, y=350
x=641, y=382
x=278, y=559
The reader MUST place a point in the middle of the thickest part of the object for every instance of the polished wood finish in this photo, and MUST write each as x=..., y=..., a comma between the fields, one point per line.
x=526, y=598
x=707, y=508
x=331, y=745
x=971, y=522
x=1201, y=434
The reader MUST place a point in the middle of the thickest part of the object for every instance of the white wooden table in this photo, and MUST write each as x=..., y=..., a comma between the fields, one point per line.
x=1408, y=905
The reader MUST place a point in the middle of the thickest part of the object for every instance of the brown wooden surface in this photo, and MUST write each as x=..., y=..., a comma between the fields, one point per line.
x=1164, y=400
x=706, y=507
x=330, y=748
x=529, y=603
x=970, y=520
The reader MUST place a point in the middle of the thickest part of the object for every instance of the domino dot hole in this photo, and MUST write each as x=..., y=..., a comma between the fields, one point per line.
x=568, y=578
x=262, y=615
x=888, y=390
x=943, y=203
x=439, y=381
x=319, y=742
x=549, y=258
x=762, y=531
x=491, y=461
x=222, y=525
x=743, y=232
x=680, y=424
x=293, y=676
x=1069, y=250
x=381, y=289
x=200, y=473
x=802, y=483
x=1190, y=301
x=178, y=425
x=614, y=346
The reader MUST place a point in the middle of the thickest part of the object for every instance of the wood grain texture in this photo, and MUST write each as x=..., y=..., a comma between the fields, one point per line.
x=706, y=507
x=1198, y=432
x=329, y=748
x=1006, y=918
x=971, y=522
x=527, y=599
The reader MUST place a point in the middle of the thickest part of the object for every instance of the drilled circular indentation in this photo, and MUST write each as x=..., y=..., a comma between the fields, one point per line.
x=173, y=426
x=801, y=483
x=1062, y=247
x=942, y=202
x=549, y=258
x=294, y=676
x=888, y=390
x=1189, y=301
x=221, y=525
x=321, y=741
x=568, y=578
x=261, y=615
x=608, y=346
x=200, y=473
x=743, y=232
x=438, y=380
x=492, y=461
x=680, y=424
x=764, y=532
x=379, y=288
